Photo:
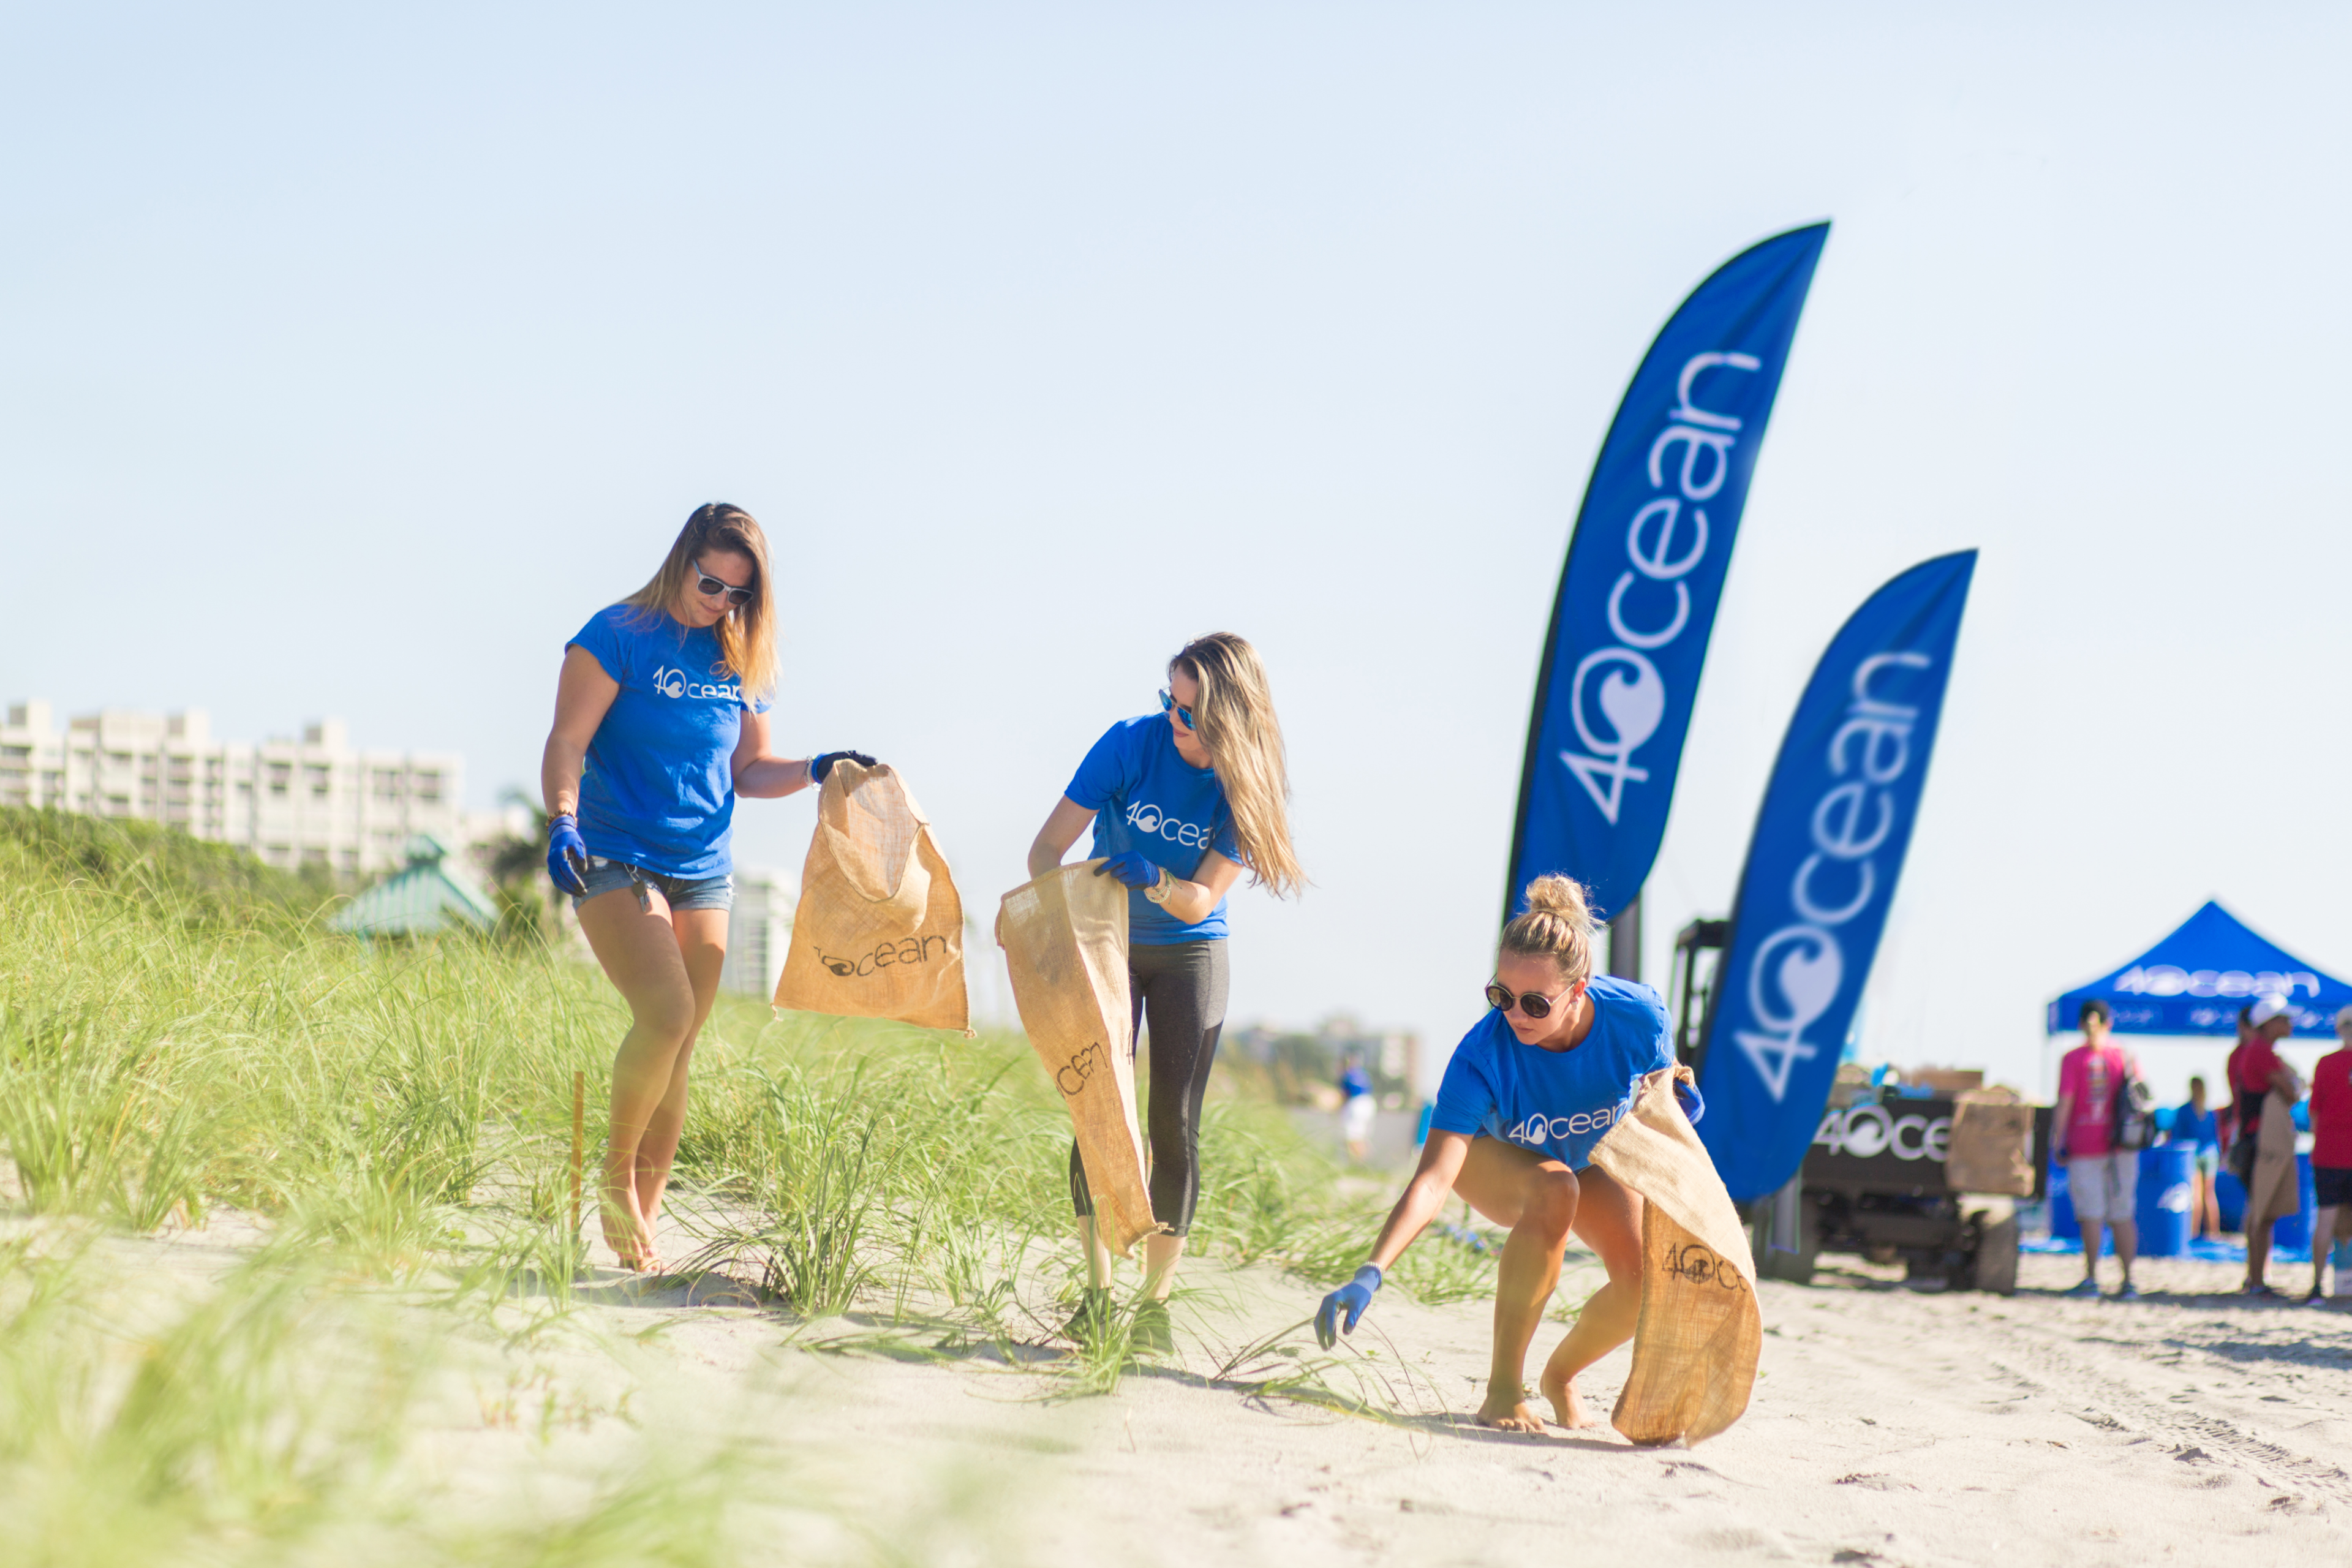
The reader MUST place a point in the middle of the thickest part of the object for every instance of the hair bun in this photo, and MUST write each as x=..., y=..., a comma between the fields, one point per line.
x=1557, y=924
x=1556, y=895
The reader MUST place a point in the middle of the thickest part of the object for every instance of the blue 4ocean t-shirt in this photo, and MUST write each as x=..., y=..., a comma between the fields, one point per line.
x=1147, y=798
x=1558, y=1103
x=659, y=788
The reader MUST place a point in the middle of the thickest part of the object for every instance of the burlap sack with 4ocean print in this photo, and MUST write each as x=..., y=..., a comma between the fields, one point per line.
x=1696, y=1343
x=878, y=931
x=1064, y=939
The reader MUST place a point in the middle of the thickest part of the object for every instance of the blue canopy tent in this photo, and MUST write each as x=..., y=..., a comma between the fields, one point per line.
x=2194, y=982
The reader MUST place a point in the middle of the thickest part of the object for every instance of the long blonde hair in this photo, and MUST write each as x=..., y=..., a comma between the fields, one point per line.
x=746, y=633
x=1557, y=924
x=1235, y=718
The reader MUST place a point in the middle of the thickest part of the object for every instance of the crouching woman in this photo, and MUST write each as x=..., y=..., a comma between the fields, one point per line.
x=1532, y=1088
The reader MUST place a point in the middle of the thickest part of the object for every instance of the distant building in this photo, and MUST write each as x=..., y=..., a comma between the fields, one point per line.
x=757, y=932
x=312, y=801
x=427, y=897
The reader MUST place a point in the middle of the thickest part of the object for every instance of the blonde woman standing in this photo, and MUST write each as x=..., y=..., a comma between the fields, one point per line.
x=1531, y=1088
x=661, y=721
x=1182, y=802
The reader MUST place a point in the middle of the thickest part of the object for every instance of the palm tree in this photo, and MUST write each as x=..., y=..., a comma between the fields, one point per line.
x=516, y=865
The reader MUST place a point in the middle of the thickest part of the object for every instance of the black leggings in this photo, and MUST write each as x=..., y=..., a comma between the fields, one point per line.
x=1180, y=988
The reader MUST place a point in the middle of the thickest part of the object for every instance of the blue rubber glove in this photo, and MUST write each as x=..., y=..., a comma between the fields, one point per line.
x=1131, y=868
x=1694, y=1102
x=822, y=764
x=1350, y=1299
x=567, y=853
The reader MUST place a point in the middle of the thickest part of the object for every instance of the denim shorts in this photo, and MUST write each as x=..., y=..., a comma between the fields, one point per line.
x=682, y=892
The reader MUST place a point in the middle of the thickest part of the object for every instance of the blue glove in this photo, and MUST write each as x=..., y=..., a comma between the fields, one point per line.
x=567, y=853
x=1694, y=1102
x=1350, y=1299
x=822, y=764
x=1131, y=868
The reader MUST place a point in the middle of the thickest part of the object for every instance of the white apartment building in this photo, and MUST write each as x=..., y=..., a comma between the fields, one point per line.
x=316, y=801
x=758, y=929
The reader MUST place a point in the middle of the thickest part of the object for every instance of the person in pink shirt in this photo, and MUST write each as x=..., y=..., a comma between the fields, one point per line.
x=2331, y=1155
x=2101, y=1179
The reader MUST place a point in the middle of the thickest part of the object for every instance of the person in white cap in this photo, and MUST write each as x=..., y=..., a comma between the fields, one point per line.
x=2331, y=1155
x=2267, y=1089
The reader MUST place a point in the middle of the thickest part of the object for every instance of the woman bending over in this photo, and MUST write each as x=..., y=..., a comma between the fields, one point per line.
x=1531, y=1088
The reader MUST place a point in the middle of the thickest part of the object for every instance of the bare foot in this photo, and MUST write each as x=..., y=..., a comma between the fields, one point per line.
x=1566, y=1403
x=1509, y=1413
x=629, y=1237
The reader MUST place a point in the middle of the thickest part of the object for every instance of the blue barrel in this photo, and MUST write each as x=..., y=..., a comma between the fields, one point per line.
x=2294, y=1230
x=2161, y=1205
x=2230, y=1197
x=2062, y=1206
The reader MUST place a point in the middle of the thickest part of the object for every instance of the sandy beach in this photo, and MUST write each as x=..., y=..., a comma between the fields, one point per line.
x=1889, y=1426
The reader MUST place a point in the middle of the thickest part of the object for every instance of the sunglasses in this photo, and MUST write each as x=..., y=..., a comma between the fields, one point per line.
x=1533, y=1003
x=705, y=583
x=1183, y=715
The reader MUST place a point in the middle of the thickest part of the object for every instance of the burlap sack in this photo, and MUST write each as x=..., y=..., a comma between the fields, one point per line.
x=1699, y=1334
x=1991, y=1147
x=1065, y=941
x=2277, y=1187
x=878, y=932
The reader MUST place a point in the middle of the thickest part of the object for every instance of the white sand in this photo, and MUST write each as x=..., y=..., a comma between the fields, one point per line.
x=1888, y=1427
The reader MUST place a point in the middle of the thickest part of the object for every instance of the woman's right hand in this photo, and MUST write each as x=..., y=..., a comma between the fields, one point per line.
x=1344, y=1307
x=567, y=853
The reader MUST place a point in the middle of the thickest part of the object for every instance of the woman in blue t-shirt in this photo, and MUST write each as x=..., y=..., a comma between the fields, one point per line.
x=1183, y=802
x=663, y=703
x=1530, y=1089
x=2199, y=1126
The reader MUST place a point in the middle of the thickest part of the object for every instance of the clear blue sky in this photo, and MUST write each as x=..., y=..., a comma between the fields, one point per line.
x=348, y=363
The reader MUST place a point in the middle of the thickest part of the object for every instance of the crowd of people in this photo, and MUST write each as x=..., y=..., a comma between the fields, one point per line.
x=662, y=724
x=2102, y=1123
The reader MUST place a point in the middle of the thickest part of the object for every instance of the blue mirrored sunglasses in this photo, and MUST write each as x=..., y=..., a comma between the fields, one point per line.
x=1183, y=715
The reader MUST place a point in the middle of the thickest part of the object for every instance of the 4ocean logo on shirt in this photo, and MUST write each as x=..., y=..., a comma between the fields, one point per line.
x=1153, y=823
x=1536, y=1130
x=676, y=683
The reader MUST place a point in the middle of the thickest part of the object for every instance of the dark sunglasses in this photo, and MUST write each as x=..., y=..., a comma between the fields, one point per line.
x=1183, y=715
x=705, y=583
x=1533, y=1003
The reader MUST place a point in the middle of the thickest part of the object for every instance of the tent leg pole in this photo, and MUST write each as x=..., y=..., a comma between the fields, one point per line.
x=1625, y=940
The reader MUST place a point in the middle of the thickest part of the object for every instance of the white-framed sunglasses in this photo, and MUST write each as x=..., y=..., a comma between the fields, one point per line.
x=706, y=585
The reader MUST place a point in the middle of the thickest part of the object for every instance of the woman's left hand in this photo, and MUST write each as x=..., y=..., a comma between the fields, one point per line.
x=822, y=763
x=1131, y=869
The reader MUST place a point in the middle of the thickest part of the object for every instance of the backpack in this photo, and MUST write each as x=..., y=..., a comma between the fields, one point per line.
x=2134, y=1110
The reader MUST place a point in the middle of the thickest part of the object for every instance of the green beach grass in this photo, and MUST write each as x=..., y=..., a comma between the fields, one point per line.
x=186, y=1051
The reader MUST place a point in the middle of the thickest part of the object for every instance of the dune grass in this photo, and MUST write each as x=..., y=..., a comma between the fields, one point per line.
x=395, y=1121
